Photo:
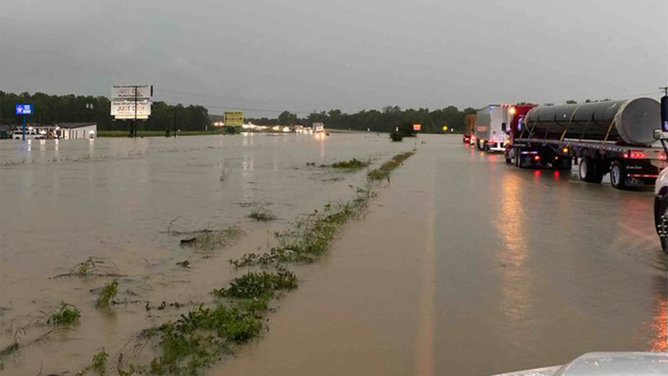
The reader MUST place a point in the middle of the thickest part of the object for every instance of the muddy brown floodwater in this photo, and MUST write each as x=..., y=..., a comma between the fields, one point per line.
x=463, y=265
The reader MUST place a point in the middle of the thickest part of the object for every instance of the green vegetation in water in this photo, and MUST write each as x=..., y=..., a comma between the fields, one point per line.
x=311, y=236
x=196, y=339
x=209, y=240
x=100, y=362
x=352, y=164
x=64, y=314
x=93, y=266
x=396, y=136
x=259, y=285
x=108, y=293
x=261, y=214
x=384, y=171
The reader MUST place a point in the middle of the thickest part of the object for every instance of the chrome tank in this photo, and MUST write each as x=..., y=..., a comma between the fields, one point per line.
x=634, y=121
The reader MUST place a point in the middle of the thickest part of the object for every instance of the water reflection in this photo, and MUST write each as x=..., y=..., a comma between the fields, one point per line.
x=516, y=282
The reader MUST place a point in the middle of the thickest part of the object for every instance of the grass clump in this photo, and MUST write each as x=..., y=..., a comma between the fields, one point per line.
x=209, y=240
x=259, y=285
x=311, y=236
x=384, y=171
x=352, y=164
x=108, y=293
x=196, y=339
x=64, y=314
x=100, y=362
x=93, y=266
x=261, y=214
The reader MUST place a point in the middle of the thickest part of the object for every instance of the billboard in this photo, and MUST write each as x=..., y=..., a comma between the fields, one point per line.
x=125, y=110
x=130, y=91
x=417, y=127
x=124, y=98
x=23, y=109
x=234, y=118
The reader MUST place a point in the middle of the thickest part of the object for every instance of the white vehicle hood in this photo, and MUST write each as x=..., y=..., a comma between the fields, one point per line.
x=661, y=181
x=606, y=364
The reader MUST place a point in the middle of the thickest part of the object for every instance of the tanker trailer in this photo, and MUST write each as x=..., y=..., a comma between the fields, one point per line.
x=615, y=137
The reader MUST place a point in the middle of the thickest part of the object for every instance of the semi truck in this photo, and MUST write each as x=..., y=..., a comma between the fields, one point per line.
x=615, y=137
x=490, y=126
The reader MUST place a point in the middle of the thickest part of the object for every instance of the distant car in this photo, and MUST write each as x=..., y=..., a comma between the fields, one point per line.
x=30, y=135
x=606, y=364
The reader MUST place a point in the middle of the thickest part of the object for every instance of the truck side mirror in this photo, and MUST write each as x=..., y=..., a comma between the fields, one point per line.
x=657, y=134
x=503, y=127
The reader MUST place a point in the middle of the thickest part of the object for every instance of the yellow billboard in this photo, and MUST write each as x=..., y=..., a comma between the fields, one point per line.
x=234, y=118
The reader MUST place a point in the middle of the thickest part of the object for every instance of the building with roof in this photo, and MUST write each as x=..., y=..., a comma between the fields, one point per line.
x=69, y=131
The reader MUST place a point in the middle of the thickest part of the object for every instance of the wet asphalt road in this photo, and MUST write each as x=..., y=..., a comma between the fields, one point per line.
x=468, y=266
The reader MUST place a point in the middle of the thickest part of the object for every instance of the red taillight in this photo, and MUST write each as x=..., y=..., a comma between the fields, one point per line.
x=536, y=158
x=636, y=154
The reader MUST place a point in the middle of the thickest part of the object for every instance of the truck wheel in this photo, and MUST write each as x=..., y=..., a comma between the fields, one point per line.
x=589, y=171
x=618, y=175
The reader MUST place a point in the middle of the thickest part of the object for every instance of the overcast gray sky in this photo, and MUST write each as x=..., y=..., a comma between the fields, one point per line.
x=302, y=55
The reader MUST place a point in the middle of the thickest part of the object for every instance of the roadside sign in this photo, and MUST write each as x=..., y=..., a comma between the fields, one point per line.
x=417, y=127
x=445, y=128
x=234, y=118
x=124, y=99
x=129, y=92
x=23, y=109
x=125, y=109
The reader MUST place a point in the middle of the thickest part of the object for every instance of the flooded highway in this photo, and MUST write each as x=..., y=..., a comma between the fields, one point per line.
x=462, y=265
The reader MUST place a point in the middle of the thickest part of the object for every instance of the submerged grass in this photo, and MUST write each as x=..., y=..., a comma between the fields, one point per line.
x=209, y=240
x=261, y=214
x=64, y=314
x=100, y=362
x=93, y=266
x=352, y=164
x=259, y=285
x=198, y=338
x=384, y=171
x=108, y=293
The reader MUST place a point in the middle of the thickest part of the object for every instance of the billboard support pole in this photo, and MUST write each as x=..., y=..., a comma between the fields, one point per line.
x=24, y=128
x=134, y=124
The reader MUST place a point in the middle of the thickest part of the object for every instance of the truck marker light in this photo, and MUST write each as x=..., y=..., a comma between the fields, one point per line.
x=636, y=154
x=564, y=150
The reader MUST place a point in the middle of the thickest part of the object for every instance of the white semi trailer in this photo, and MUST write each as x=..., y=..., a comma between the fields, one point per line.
x=489, y=128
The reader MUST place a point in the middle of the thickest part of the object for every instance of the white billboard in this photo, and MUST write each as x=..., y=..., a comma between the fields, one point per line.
x=125, y=109
x=124, y=98
x=130, y=91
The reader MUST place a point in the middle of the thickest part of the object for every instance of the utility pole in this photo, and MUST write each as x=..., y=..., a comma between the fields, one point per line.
x=134, y=124
x=176, y=114
x=664, y=108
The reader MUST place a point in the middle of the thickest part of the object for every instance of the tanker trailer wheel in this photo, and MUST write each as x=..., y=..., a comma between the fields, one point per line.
x=589, y=171
x=618, y=175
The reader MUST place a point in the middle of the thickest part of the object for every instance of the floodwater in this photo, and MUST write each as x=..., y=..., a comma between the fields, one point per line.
x=463, y=265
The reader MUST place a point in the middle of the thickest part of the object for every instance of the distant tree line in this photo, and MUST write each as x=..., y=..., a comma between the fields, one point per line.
x=385, y=120
x=52, y=109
